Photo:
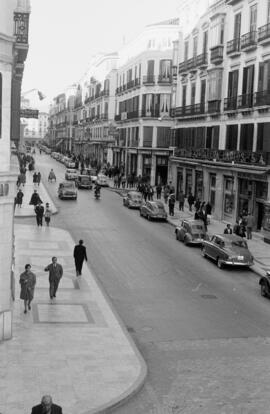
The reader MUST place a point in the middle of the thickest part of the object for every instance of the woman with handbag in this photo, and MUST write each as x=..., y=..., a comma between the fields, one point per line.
x=28, y=283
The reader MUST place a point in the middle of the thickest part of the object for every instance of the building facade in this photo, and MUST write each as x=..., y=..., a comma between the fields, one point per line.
x=14, y=18
x=143, y=103
x=220, y=137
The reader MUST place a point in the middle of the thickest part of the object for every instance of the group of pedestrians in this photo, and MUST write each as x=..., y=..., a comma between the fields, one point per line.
x=244, y=225
x=28, y=278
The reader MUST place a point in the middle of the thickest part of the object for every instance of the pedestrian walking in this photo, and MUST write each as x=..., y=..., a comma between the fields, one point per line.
x=166, y=193
x=39, y=210
x=55, y=274
x=236, y=228
x=47, y=214
x=171, y=202
x=171, y=188
x=158, y=191
x=191, y=200
x=228, y=229
x=181, y=201
x=28, y=283
x=35, y=199
x=35, y=178
x=79, y=255
x=38, y=178
x=47, y=406
x=150, y=192
x=249, y=225
x=19, y=198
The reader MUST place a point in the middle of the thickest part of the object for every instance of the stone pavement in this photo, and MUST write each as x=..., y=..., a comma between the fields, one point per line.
x=259, y=249
x=28, y=210
x=75, y=349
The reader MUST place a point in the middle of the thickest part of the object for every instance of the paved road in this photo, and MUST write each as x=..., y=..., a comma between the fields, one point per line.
x=202, y=331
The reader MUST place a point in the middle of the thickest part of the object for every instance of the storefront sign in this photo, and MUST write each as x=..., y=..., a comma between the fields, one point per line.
x=250, y=176
x=29, y=113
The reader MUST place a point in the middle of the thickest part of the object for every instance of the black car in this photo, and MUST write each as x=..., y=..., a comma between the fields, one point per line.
x=265, y=285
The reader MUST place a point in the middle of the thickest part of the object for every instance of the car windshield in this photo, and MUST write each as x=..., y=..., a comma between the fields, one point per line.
x=136, y=196
x=197, y=227
x=68, y=185
x=239, y=243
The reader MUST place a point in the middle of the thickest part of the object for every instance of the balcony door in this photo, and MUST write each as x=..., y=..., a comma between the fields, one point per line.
x=150, y=69
x=264, y=77
x=253, y=18
x=203, y=92
x=233, y=88
x=248, y=84
x=205, y=42
x=193, y=93
x=237, y=26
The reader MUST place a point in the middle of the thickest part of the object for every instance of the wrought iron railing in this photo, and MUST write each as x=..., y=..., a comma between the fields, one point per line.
x=264, y=32
x=245, y=101
x=261, y=98
x=213, y=106
x=249, y=40
x=165, y=79
x=215, y=155
x=149, y=79
x=217, y=54
x=233, y=46
x=230, y=103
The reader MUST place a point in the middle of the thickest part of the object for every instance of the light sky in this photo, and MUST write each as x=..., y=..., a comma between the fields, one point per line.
x=64, y=34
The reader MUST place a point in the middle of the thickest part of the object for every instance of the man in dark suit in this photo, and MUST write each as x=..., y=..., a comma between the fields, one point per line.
x=47, y=407
x=55, y=273
x=79, y=255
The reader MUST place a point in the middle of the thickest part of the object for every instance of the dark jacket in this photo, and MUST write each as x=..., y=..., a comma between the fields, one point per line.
x=80, y=252
x=55, y=409
x=39, y=210
x=35, y=199
x=55, y=272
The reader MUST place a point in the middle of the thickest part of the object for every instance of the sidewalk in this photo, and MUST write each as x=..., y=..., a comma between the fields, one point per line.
x=76, y=349
x=27, y=210
x=259, y=249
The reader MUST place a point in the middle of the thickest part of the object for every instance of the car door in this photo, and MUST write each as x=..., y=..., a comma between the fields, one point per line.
x=210, y=246
x=182, y=231
x=217, y=248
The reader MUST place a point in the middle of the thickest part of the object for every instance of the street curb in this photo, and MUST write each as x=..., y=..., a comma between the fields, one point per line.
x=138, y=384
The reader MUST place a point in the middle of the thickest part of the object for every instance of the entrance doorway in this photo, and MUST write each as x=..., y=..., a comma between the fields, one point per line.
x=259, y=213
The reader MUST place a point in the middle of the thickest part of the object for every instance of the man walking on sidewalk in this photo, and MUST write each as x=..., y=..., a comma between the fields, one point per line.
x=79, y=255
x=55, y=273
x=249, y=225
x=39, y=210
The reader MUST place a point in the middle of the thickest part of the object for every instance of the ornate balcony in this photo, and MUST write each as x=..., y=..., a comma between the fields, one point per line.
x=249, y=41
x=164, y=80
x=130, y=84
x=191, y=64
x=238, y=157
x=189, y=110
x=21, y=24
x=233, y=47
x=202, y=60
x=264, y=34
x=149, y=80
x=217, y=54
x=230, y=104
x=137, y=82
x=245, y=101
x=133, y=114
x=262, y=98
x=117, y=118
x=182, y=68
x=213, y=106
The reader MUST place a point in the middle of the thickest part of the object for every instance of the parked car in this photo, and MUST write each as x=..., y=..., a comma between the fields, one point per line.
x=153, y=210
x=69, y=163
x=84, y=181
x=102, y=180
x=67, y=189
x=90, y=171
x=227, y=249
x=133, y=199
x=191, y=232
x=71, y=174
x=265, y=285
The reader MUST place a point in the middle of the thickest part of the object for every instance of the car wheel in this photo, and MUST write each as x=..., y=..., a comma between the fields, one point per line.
x=219, y=263
x=176, y=235
x=185, y=241
x=263, y=289
x=148, y=217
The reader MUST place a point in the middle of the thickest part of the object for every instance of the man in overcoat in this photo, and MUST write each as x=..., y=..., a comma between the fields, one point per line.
x=79, y=255
x=55, y=273
x=47, y=407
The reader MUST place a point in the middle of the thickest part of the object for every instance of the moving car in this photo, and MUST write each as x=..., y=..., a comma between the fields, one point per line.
x=133, y=199
x=69, y=163
x=71, y=174
x=265, y=285
x=90, y=171
x=102, y=180
x=68, y=190
x=191, y=232
x=227, y=249
x=153, y=210
x=84, y=181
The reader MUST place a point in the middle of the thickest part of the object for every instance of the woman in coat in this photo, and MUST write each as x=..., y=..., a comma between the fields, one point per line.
x=28, y=283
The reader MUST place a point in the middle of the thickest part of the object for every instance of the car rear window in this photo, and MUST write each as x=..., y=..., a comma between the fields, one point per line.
x=68, y=185
x=197, y=227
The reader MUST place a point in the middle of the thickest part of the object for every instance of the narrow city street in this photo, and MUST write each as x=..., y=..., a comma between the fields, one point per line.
x=201, y=330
